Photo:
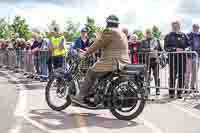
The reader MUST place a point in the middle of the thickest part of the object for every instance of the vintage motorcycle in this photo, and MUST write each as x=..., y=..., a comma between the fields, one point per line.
x=121, y=91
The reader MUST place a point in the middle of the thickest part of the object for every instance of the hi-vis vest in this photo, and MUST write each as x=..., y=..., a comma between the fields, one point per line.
x=56, y=42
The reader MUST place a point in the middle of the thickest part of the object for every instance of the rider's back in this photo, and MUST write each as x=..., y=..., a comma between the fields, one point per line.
x=118, y=46
x=115, y=48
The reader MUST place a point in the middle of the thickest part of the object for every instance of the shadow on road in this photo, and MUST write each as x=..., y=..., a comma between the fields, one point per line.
x=4, y=75
x=164, y=99
x=33, y=87
x=74, y=120
x=197, y=107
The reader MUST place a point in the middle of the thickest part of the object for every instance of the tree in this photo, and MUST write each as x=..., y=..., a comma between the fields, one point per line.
x=156, y=32
x=71, y=30
x=91, y=27
x=6, y=30
x=20, y=27
x=2, y=28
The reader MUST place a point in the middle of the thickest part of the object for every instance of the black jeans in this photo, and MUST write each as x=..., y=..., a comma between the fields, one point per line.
x=154, y=66
x=177, y=66
x=57, y=61
x=37, y=64
x=49, y=62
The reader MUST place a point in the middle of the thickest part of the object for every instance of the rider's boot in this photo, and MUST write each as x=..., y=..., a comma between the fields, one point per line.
x=85, y=87
x=79, y=98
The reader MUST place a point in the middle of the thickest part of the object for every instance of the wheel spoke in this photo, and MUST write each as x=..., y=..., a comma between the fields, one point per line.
x=56, y=95
x=128, y=103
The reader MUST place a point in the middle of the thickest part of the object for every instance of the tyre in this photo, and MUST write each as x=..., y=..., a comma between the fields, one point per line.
x=130, y=108
x=60, y=88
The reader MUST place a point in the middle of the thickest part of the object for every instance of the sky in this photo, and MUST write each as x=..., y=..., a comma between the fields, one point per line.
x=133, y=14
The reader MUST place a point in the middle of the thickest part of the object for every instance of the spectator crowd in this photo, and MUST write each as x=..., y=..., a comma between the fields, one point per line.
x=40, y=55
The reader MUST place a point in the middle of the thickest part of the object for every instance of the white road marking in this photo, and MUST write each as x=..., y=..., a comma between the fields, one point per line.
x=150, y=125
x=16, y=129
x=54, y=122
x=37, y=124
x=191, y=111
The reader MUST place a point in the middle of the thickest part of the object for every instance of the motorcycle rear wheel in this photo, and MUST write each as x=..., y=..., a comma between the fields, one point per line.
x=138, y=103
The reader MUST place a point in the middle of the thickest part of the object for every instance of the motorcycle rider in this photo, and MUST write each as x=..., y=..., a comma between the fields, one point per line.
x=113, y=42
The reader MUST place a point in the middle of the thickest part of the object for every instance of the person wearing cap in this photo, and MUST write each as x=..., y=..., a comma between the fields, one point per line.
x=151, y=44
x=57, y=47
x=192, y=67
x=83, y=41
x=114, y=45
x=176, y=42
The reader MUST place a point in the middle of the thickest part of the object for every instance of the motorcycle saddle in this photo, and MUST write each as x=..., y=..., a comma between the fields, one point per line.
x=133, y=69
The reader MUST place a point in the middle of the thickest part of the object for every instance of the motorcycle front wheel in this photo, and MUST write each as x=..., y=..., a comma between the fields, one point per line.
x=56, y=94
x=128, y=103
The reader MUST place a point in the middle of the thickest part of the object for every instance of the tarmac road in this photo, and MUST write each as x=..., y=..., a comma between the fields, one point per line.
x=24, y=110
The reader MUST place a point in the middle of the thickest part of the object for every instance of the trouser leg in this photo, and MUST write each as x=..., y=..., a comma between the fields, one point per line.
x=149, y=66
x=195, y=70
x=45, y=65
x=188, y=71
x=44, y=70
x=90, y=79
x=172, y=73
x=181, y=72
x=37, y=65
x=49, y=62
x=58, y=62
x=155, y=67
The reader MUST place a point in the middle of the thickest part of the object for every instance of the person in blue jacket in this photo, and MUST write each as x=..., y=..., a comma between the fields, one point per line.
x=193, y=65
x=83, y=41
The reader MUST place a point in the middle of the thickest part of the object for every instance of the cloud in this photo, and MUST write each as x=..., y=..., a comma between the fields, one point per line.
x=132, y=13
x=189, y=7
x=60, y=2
x=189, y=10
x=81, y=3
x=41, y=16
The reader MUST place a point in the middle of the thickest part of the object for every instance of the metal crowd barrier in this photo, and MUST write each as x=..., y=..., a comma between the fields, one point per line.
x=39, y=64
x=170, y=70
x=21, y=60
x=1, y=58
x=167, y=70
